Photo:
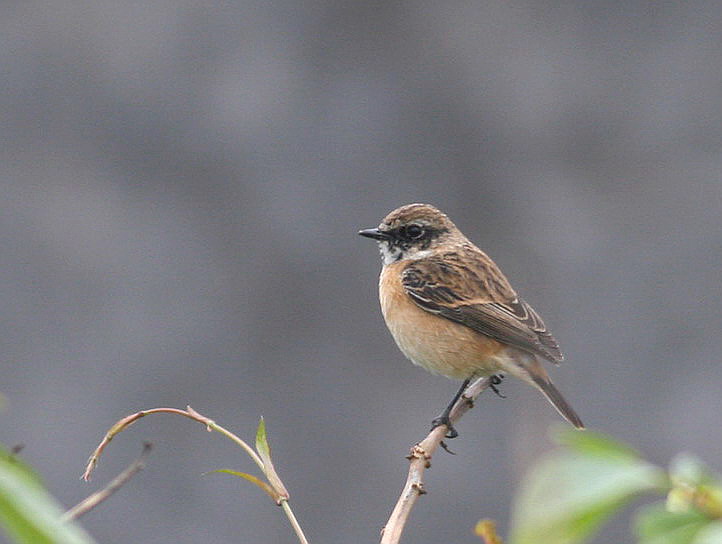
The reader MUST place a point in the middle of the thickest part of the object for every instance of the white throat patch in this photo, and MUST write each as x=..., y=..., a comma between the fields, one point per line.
x=391, y=255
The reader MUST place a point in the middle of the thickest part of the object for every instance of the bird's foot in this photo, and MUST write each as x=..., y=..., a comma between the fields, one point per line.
x=451, y=432
x=496, y=379
x=444, y=420
x=446, y=448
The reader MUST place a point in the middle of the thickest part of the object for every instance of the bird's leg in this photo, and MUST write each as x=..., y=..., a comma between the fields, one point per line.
x=496, y=379
x=443, y=419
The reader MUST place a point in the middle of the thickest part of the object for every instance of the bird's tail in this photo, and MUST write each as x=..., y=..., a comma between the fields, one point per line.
x=555, y=397
x=534, y=373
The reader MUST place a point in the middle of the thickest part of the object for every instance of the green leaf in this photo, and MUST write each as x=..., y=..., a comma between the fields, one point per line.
x=694, y=487
x=657, y=525
x=591, y=443
x=27, y=511
x=689, y=470
x=251, y=478
x=262, y=447
x=711, y=534
x=264, y=452
x=570, y=494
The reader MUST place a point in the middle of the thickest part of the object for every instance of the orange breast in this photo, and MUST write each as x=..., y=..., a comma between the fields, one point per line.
x=437, y=344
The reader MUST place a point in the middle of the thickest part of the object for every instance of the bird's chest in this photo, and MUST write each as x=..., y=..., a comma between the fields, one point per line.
x=435, y=343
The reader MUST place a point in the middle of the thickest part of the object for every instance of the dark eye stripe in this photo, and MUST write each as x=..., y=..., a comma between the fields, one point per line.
x=414, y=231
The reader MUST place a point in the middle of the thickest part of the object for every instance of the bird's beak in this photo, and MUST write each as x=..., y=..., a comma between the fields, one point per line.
x=376, y=234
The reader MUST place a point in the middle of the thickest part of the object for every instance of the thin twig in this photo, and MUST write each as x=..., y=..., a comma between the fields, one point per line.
x=293, y=521
x=420, y=460
x=121, y=426
x=189, y=413
x=87, y=504
x=280, y=494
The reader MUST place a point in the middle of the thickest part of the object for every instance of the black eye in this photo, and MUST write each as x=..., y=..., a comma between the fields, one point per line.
x=414, y=231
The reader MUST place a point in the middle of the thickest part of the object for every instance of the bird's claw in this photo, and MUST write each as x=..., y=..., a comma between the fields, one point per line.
x=495, y=380
x=446, y=448
x=451, y=432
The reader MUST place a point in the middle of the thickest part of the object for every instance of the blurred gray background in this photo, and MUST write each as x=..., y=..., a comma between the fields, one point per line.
x=182, y=183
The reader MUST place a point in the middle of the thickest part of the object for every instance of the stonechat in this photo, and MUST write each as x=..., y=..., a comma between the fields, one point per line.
x=452, y=311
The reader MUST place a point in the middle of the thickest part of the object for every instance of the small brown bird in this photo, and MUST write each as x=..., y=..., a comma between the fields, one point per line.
x=452, y=311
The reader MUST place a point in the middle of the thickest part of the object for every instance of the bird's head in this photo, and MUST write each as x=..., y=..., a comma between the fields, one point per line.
x=412, y=232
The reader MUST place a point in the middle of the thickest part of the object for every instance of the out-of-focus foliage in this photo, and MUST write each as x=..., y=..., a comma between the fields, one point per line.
x=28, y=514
x=486, y=530
x=571, y=493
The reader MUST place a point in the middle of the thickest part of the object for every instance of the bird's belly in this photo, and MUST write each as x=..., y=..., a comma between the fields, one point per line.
x=435, y=343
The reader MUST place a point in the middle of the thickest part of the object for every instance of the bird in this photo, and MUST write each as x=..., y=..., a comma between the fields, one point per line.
x=452, y=311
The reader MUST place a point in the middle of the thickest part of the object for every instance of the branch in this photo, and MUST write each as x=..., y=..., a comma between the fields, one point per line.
x=86, y=505
x=274, y=486
x=420, y=459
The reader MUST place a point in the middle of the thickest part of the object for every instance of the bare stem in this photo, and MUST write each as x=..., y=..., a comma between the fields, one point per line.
x=420, y=460
x=280, y=495
x=294, y=522
x=121, y=426
x=90, y=502
x=213, y=426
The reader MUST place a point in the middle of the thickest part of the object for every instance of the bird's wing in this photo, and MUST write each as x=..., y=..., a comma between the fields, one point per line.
x=471, y=290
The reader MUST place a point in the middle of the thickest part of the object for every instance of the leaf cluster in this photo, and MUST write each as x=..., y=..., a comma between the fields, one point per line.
x=569, y=495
